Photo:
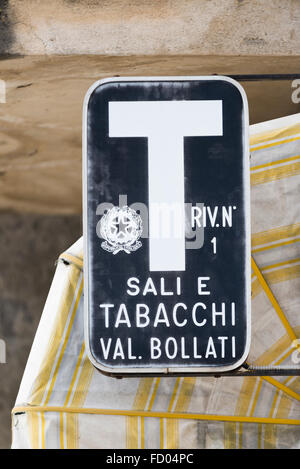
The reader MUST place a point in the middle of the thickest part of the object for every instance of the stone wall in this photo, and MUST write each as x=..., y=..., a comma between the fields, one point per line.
x=139, y=27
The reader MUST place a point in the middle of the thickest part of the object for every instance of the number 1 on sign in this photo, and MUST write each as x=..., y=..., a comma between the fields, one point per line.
x=214, y=243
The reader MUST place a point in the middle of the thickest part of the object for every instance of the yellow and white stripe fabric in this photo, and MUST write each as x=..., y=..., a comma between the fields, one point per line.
x=63, y=402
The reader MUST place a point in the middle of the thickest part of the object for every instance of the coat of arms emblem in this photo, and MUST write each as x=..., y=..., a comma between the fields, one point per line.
x=121, y=227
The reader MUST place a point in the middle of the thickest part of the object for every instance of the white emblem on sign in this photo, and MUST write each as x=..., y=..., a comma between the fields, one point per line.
x=121, y=228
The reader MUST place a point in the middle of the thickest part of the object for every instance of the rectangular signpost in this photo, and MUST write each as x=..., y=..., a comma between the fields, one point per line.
x=166, y=225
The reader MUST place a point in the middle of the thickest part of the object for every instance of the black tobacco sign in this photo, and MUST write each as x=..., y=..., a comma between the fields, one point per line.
x=166, y=225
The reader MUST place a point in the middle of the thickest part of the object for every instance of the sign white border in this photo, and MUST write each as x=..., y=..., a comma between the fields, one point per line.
x=192, y=370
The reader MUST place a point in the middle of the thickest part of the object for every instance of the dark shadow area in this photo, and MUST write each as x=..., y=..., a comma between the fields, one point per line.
x=29, y=249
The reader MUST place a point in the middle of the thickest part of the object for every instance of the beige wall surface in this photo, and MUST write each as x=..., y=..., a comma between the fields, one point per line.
x=131, y=27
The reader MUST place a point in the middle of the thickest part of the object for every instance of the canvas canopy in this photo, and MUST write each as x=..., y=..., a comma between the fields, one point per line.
x=63, y=402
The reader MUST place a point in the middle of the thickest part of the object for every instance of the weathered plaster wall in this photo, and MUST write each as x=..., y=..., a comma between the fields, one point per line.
x=118, y=27
x=29, y=248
